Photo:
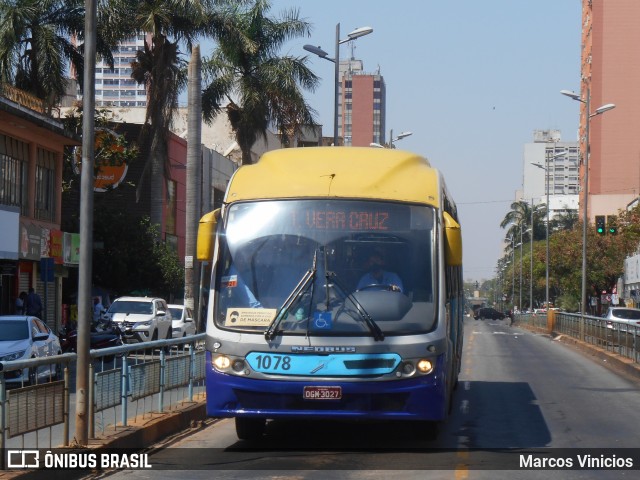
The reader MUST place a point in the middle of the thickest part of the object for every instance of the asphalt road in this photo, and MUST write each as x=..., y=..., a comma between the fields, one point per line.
x=521, y=395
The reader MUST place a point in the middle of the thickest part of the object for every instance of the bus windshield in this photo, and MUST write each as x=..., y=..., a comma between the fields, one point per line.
x=326, y=268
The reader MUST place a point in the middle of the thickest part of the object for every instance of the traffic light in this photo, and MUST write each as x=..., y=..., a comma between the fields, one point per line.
x=600, y=227
x=612, y=224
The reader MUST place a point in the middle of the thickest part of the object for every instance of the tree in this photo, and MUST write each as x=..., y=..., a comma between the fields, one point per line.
x=251, y=83
x=37, y=45
x=160, y=67
x=565, y=220
x=520, y=217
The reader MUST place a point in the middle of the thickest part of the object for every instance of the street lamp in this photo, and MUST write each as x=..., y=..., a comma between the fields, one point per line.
x=521, y=232
x=399, y=137
x=585, y=215
x=546, y=187
x=391, y=140
x=358, y=32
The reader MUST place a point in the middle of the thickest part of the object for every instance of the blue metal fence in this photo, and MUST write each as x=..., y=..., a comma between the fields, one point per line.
x=124, y=378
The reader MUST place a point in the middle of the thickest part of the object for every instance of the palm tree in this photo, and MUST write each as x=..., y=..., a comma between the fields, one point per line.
x=161, y=68
x=520, y=216
x=254, y=85
x=40, y=40
x=565, y=220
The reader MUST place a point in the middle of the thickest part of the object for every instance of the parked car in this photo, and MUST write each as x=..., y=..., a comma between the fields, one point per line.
x=489, y=313
x=23, y=337
x=623, y=315
x=141, y=319
x=183, y=322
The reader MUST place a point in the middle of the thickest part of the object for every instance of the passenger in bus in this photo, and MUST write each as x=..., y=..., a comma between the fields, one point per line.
x=377, y=275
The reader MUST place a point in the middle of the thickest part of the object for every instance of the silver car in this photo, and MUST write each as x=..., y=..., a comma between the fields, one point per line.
x=23, y=337
x=183, y=322
x=623, y=318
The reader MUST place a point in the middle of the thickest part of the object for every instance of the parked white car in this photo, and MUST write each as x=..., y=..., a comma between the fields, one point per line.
x=183, y=322
x=141, y=319
x=625, y=316
x=23, y=337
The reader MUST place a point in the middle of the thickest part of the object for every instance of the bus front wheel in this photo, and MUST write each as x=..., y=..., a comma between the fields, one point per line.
x=250, y=428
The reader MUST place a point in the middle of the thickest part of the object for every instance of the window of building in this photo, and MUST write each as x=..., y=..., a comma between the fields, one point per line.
x=45, y=193
x=14, y=164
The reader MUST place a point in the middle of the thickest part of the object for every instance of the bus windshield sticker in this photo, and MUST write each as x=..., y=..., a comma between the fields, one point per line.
x=322, y=320
x=229, y=281
x=250, y=317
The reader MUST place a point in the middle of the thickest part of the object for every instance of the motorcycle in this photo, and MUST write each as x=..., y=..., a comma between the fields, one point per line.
x=104, y=334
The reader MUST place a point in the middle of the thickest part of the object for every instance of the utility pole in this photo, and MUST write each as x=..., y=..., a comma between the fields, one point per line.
x=194, y=160
x=85, y=269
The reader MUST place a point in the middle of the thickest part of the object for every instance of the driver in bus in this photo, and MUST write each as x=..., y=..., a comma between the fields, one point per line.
x=378, y=276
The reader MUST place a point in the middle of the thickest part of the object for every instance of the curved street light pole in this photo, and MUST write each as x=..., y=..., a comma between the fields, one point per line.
x=358, y=32
x=585, y=196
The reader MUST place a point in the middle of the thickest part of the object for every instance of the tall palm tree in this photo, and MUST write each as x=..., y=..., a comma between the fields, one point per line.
x=520, y=217
x=565, y=220
x=161, y=68
x=40, y=40
x=251, y=82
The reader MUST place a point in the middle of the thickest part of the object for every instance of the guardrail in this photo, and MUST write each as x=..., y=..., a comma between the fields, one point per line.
x=122, y=378
x=610, y=335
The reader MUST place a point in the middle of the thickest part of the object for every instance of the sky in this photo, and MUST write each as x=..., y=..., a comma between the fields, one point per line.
x=472, y=80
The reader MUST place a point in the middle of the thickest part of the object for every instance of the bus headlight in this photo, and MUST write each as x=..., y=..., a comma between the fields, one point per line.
x=425, y=366
x=221, y=362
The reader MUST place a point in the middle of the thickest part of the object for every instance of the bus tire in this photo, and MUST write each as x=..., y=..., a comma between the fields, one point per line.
x=248, y=428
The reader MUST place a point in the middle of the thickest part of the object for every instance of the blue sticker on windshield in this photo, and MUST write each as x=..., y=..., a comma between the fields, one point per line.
x=322, y=320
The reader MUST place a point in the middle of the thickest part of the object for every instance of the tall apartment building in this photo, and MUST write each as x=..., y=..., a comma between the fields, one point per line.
x=361, y=105
x=560, y=173
x=115, y=87
x=611, y=72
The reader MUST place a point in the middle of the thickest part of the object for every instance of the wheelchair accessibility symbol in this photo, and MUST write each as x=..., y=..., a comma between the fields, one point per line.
x=322, y=320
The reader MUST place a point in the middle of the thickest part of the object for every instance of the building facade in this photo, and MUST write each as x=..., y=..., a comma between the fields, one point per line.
x=34, y=252
x=548, y=162
x=610, y=72
x=361, y=105
x=114, y=86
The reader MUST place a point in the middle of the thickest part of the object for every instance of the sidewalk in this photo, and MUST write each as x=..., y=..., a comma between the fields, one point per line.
x=138, y=435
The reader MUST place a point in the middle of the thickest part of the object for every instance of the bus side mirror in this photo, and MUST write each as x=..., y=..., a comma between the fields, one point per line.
x=206, y=235
x=452, y=241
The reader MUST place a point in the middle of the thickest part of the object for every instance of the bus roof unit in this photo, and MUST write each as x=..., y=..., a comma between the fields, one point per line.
x=347, y=172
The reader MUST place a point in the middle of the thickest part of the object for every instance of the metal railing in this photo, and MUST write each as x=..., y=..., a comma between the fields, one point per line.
x=134, y=379
x=613, y=336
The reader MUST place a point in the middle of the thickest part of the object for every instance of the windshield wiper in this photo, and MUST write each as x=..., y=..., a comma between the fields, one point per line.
x=378, y=335
x=303, y=284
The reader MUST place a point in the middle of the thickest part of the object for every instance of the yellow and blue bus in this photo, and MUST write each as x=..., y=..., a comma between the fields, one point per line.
x=336, y=289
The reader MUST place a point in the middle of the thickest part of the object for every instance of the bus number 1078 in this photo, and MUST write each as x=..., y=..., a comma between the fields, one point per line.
x=273, y=362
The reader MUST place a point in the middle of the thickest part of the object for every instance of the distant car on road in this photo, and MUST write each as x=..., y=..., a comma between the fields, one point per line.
x=626, y=316
x=488, y=313
x=23, y=337
x=183, y=322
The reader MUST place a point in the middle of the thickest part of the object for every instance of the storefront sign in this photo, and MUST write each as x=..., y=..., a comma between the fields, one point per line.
x=56, y=246
x=30, y=241
x=10, y=221
x=71, y=248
